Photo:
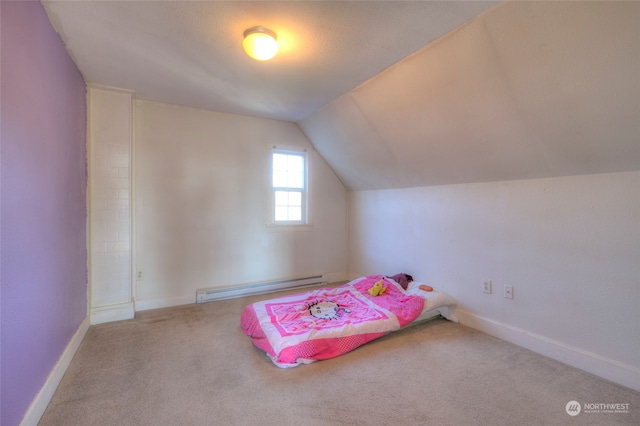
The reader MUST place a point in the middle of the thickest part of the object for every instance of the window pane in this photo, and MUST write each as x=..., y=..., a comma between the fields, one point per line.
x=295, y=163
x=289, y=180
x=288, y=205
x=280, y=179
x=280, y=162
x=295, y=199
x=295, y=213
x=288, y=171
x=282, y=198
x=295, y=180
x=281, y=213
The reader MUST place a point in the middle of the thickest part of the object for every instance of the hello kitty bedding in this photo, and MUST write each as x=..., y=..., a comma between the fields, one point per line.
x=328, y=322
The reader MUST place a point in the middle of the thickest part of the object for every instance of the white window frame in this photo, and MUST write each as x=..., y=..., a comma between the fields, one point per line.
x=289, y=224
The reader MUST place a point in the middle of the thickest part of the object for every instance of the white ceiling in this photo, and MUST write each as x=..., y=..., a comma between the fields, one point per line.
x=527, y=90
x=189, y=52
x=392, y=94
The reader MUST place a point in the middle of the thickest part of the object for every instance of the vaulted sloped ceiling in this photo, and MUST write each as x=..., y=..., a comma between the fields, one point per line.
x=526, y=90
x=189, y=52
x=392, y=94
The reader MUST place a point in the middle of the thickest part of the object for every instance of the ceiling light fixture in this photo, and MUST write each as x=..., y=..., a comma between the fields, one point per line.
x=260, y=43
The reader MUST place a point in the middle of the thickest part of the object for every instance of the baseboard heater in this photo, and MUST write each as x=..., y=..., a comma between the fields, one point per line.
x=221, y=293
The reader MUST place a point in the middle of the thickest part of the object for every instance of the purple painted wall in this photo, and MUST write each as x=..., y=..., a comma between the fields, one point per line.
x=43, y=223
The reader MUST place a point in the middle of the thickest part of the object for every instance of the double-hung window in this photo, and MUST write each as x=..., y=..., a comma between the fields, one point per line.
x=289, y=180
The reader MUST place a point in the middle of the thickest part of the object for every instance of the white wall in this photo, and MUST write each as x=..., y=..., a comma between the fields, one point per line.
x=570, y=246
x=109, y=116
x=201, y=205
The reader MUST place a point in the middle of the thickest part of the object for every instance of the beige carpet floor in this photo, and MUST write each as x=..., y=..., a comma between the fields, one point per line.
x=192, y=365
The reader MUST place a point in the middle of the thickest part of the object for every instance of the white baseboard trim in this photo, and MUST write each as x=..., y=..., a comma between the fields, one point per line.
x=119, y=312
x=42, y=399
x=164, y=302
x=606, y=368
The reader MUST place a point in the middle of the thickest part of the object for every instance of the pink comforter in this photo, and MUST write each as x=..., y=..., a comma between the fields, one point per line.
x=327, y=322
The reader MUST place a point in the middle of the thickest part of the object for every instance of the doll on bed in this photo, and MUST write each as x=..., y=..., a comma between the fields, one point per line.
x=404, y=280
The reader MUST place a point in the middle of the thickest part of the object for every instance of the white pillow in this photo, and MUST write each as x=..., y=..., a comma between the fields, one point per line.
x=432, y=299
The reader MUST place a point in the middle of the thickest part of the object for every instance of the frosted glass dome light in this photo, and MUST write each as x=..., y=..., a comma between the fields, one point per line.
x=260, y=43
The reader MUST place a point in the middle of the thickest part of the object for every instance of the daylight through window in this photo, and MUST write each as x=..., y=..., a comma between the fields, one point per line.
x=289, y=186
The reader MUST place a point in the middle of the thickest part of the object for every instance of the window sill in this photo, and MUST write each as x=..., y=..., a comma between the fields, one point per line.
x=275, y=227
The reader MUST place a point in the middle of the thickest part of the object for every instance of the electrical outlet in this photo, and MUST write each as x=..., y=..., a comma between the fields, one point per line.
x=508, y=292
x=140, y=275
x=486, y=287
